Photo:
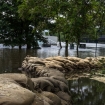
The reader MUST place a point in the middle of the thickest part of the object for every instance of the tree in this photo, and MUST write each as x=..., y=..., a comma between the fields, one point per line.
x=83, y=17
x=74, y=19
x=14, y=30
x=11, y=25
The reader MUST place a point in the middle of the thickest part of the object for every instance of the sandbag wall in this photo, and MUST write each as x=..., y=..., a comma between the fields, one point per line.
x=48, y=74
x=47, y=77
x=43, y=81
x=32, y=65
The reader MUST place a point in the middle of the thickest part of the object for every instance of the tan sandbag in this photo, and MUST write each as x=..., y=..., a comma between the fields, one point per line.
x=55, y=99
x=60, y=78
x=36, y=61
x=54, y=65
x=96, y=64
x=43, y=84
x=47, y=72
x=83, y=64
x=46, y=100
x=74, y=59
x=53, y=81
x=60, y=59
x=58, y=62
x=24, y=63
x=38, y=101
x=49, y=59
x=12, y=93
x=62, y=86
x=65, y=103
x=18, y=77
x=90, y=59
x=22, y=79
x=54, y=72
x=40, y=71
x=64, y=96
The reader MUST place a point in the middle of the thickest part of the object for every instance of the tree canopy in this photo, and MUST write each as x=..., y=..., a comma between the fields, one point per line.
x=24, y=20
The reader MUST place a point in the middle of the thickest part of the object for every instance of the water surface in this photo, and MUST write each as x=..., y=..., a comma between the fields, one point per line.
x=11, y=59
x=87, y=92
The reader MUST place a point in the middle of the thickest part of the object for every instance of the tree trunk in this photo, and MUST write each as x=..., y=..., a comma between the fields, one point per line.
x=59, y=38
x=66, y=44
x=59, y=52
x=77, y=50
x=66, y=48
x=28, y=46
x=96, y=48
x=20, y=46
x=77, y=47
x=66, y=52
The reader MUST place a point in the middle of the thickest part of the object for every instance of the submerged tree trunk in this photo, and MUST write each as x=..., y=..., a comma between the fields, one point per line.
x=59, y=52
x=66, y=48
x=96, y=50
x=77, y=51
x=20, y=46
x=66, y=52
x=59, y=39
x=28, y=46
x=66, y=44
x=78, y=41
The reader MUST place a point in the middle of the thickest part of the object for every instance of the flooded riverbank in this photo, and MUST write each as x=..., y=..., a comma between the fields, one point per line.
x=11, y=59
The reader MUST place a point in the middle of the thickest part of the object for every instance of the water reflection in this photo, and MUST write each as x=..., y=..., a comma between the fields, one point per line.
x=87, y=92
x=101, y=51
x=11, y=59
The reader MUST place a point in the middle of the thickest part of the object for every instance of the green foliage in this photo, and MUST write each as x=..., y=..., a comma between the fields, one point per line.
x=10, y=23
x=15, y=29
x=71, y=19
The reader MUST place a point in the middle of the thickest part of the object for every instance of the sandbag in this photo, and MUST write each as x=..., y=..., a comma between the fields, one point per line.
x=22, y=79
x=11, y=93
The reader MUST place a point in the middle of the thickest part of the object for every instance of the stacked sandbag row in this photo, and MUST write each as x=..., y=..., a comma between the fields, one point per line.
x=63, y=64
x=18, y=89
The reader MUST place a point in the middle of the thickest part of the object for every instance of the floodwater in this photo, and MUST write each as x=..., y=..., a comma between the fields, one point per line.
x=11, y=59
x=85, y=91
